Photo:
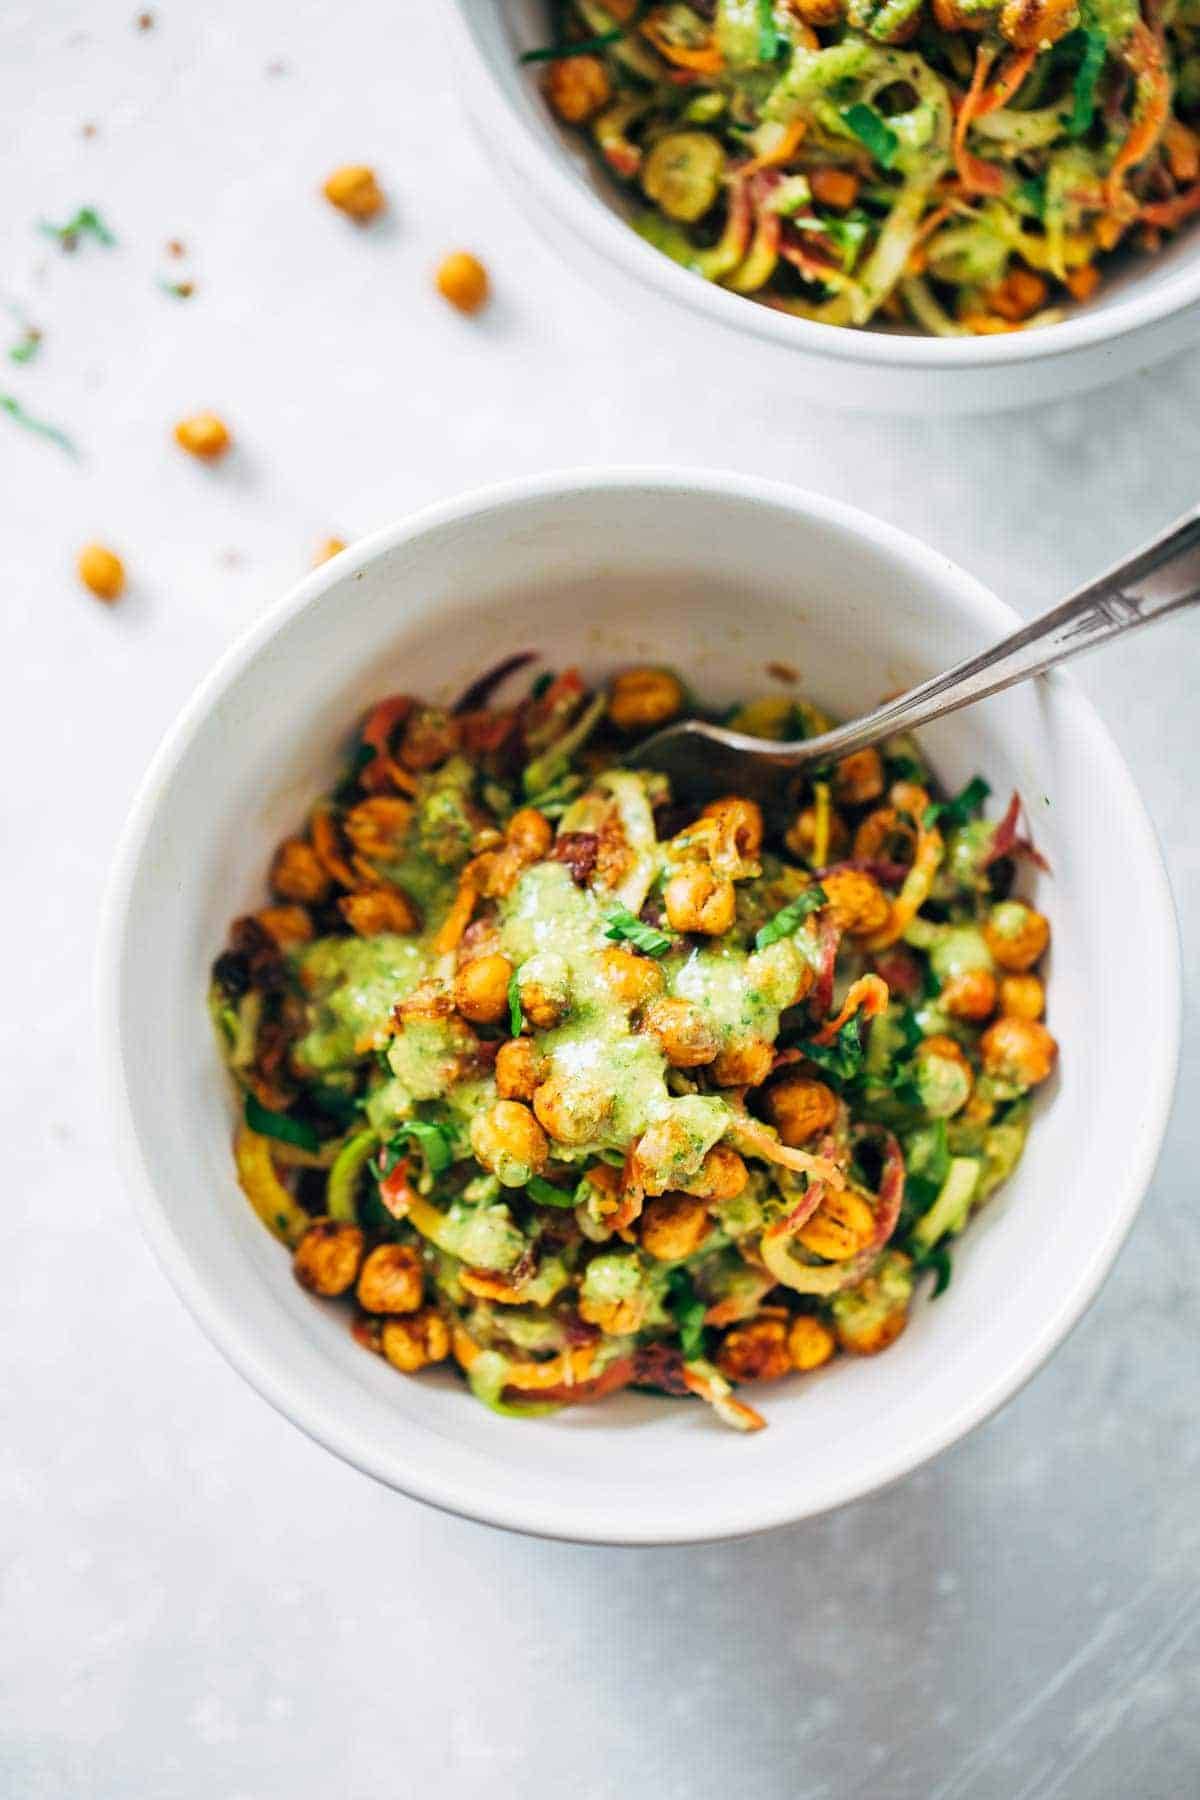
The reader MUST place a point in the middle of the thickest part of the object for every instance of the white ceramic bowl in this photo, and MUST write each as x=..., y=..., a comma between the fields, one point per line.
x=718, y=575
x=1144, y=314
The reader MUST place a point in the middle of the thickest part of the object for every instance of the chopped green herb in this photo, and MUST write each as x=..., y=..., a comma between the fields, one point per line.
x=544, y=1193
x=432, y=1140
x=1032, y=193
x=586, y=46
x=938, y=1259
x=687, y=1309
x=768, y=34
x=647, y=938
x=16, y=412
x=516, y=1017
x=873, y=130
x=844, y=1057
x=280, y=1126
x=86, y=223
x=27, y=346
x=540, y=684
x=927, y=1164
x=1083, y=109
x=790, y=916
x=962, y=807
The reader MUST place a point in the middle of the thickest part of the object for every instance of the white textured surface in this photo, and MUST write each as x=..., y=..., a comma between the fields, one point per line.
x=196, y=1601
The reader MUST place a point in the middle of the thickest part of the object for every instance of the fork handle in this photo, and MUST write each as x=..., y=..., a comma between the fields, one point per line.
x=1161, y=578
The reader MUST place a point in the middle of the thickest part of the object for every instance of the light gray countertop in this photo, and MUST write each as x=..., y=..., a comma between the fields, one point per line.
x=197, y=1601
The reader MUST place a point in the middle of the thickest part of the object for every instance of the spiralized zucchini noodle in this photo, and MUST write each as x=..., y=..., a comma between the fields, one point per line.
x=576, y=1088
x=964, y=167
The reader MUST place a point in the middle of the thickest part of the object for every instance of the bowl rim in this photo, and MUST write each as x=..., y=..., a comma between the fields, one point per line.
x=266, y=1368
x=1148, y=302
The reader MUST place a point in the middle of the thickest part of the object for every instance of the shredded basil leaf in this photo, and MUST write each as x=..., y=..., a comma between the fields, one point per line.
x=586, y=46
x=962, y=807
x=27, y=346
x=768, y=34
x=871, y=129
x=280, y=1126
x=687, y=1309
x=844, y=1057
x=16, y=412
x=516, y=1017
x=432, y=1140
x=86, y=223
x=1083, y=109
x=790, y=916
x=544, y=1193
x=938, y=1259
x=647, y=938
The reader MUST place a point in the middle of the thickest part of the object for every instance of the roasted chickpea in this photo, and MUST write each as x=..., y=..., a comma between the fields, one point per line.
x=953, y=15
x=101, y=571
x=744, y=1065
x=683, y=1032
x=842, y=1225
x=909, y=797
x=858, y=779
x=378, y=827
x=721, y=1176
x=1016, y=935
x=633, y=980
x=531, y=832
x=1020, y=1051
x=577, y=87
x=573, y=1109
x=392, y=1279
x=203, y=435
x=800, y=1108
x=742, y=821
x=1019, y=295
x=1022, y=997
x=288, y=925
x=969, y=995
x=698, y=899
x=857, y=903
x=297, y=873
x=886, y=834
x=519, y=1069
x=810, y=1342
x=1036, y=24
x=801, y=836
x=327, y=1257
x=834, y=187
x=944, y=1076
x=643, y=699
x=431, y=734
x=673, y=1226
x=463, y=281
x=869, y=1317
x=544, y=984
x=354, y=190
x=415, y=1340
x=509, y=1142
x=819, y=12
x=376, y=910
x=755, y=1351
x=481, y=989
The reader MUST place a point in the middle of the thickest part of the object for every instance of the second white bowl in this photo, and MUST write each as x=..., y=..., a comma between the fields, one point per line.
x=1146, y=312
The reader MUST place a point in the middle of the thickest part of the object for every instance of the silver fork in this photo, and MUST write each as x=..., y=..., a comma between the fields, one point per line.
x=703, y=760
